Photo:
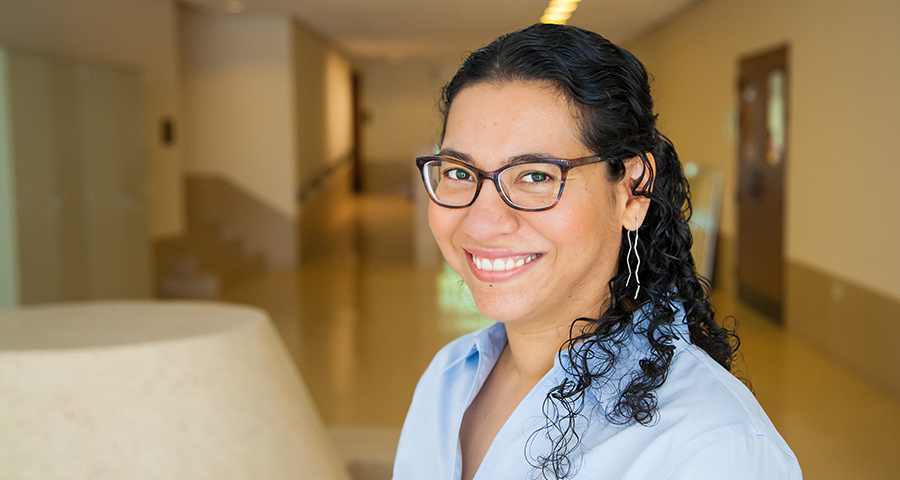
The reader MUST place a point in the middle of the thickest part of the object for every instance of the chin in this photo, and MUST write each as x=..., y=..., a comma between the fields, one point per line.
x=503, y=310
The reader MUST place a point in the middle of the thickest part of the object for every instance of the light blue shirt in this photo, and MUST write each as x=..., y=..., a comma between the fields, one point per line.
x=708, y=424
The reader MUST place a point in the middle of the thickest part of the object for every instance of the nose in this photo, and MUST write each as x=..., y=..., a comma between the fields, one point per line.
x=490, y=217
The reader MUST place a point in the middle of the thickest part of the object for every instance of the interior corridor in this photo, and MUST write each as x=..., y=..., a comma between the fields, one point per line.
x=362, y=321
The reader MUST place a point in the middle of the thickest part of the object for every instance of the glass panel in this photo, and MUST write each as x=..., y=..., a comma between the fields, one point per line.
x=706, y=196
x=775, y=123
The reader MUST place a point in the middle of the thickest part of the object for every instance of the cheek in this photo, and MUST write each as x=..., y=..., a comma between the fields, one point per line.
x=435, y=222
x=587, y=225
x=443, y=222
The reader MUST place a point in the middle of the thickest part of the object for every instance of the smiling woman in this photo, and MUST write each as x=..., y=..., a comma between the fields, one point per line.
x=606, y=360
x=572, y=247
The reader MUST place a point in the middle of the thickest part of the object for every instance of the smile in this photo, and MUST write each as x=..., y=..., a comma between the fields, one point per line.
x=502, y=264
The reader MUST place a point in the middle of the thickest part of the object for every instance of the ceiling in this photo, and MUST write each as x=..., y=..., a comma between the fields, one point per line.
x=397, y=30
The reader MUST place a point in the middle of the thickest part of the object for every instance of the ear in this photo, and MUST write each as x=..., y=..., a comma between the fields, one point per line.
x=638, y=178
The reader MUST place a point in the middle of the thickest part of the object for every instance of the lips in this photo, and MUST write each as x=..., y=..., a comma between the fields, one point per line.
x=502, y=264
x=496, y=266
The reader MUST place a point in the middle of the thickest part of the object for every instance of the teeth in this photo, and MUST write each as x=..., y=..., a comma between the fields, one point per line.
x=500, y=264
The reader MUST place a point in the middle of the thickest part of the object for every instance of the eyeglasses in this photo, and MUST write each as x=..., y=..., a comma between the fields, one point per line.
x=529, y=186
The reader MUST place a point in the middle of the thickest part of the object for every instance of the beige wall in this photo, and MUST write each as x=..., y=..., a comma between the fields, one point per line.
x=338, y=107
x=402, y=104
x=324, y=106
x=268, y=108
x=844, y=112
x=142, y=33
x=239, y=115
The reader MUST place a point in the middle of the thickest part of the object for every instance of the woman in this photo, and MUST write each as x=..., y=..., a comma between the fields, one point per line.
x=563, y=208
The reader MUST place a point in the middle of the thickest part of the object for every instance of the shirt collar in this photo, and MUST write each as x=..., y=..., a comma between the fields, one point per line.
x=490, y=341
x=487, y=343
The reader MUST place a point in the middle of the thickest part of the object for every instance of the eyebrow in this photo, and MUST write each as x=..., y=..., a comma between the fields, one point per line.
x=523, y=158
x=449, y=152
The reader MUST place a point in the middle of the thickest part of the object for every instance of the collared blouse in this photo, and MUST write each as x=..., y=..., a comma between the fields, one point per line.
x=708, y=424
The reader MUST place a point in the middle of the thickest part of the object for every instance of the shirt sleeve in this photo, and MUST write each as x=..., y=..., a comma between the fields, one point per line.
x=739, y=457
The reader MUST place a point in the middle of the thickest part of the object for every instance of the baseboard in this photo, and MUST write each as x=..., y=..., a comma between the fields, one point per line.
x=855, y=325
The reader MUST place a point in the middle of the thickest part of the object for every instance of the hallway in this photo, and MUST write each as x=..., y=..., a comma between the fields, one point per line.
x=362, y=321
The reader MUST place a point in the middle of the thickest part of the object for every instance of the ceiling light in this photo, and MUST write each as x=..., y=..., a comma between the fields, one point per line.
x=558, y=18
x=562, y=6
x=558, y=11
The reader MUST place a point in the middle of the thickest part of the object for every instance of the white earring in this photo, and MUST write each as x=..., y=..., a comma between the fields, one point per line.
x=632, y=247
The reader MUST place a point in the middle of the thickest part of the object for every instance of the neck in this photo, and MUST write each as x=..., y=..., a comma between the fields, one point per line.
x=533, y=346
x=530, y=353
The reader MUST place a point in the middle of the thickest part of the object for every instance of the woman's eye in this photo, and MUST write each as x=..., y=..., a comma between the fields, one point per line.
x=457, y=174
x=534, y=177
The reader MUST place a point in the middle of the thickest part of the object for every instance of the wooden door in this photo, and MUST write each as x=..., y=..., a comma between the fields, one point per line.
x=762, y=154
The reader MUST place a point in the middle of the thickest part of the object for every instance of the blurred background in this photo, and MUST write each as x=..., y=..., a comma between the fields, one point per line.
x=261, y=152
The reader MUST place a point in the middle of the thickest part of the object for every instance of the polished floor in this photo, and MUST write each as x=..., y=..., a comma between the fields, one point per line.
x=362, y=321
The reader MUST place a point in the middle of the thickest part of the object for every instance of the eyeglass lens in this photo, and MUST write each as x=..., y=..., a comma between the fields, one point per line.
x=526, y=185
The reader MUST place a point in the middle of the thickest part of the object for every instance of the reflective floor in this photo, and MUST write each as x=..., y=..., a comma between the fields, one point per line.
x=362, y=321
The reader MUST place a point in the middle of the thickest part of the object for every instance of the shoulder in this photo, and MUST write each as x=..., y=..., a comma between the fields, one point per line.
x=707, y=425
x=696, y=380
x=738, y=457
x=721, y=430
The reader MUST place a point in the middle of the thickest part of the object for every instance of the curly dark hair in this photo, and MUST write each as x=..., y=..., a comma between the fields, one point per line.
x=609, y=89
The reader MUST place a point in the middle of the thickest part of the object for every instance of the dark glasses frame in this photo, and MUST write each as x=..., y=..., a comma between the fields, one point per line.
x=564, y=166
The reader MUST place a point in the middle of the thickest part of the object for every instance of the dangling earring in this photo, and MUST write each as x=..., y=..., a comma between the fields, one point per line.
x=632, y=247
x=638, y=266
x=628, y=257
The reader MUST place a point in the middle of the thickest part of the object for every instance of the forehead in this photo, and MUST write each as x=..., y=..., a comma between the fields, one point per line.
x=493, y=122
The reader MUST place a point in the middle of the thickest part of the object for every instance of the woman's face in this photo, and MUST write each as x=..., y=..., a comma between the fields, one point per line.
x=570, y=250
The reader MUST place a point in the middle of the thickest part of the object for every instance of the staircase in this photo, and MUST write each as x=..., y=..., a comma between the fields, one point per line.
x=214, y=252
x=200, y=263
